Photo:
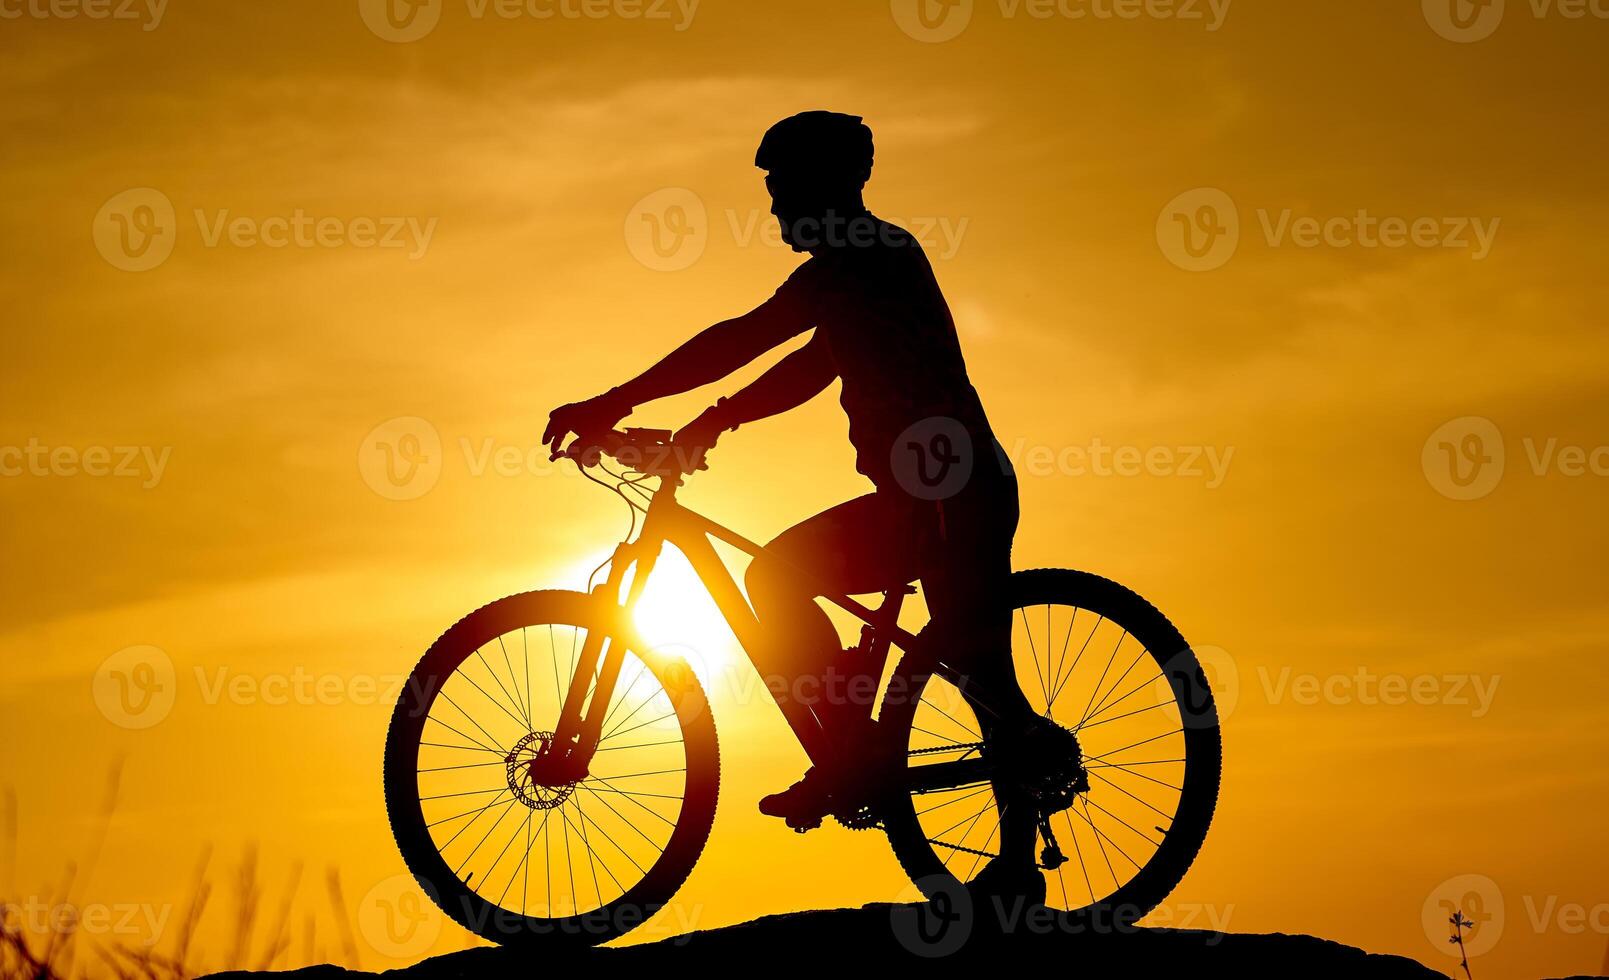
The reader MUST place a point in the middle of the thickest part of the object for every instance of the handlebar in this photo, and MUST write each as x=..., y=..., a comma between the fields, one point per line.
x=650, y=451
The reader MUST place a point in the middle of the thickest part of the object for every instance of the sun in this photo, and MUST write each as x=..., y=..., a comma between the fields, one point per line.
x=677, y=610
x=677, y=616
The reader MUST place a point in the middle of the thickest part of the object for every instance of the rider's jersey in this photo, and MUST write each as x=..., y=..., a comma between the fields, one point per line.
x=892, y=339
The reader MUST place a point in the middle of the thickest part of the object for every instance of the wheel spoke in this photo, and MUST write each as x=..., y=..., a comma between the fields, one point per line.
x=1108, y=706
x=606, y=836
x=638, y=830
x=1142, y=802
x=630, y=797
x=1126, y=714
x=939, y=806
x=1111, y=658
x=645, y=745
x=489, y=736
x=958, y=723
x=1132, y=745
x=1126, y=770
x=1063, y=679
x=471, y=738
x=1034, y=652
x=644, y=724
x=467, y=765
x=1100, y=836
x=1101, y=706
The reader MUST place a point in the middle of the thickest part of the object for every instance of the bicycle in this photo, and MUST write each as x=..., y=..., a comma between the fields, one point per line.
x=605, y=749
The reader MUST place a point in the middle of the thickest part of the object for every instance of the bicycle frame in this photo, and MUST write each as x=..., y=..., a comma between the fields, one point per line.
x=600, y=660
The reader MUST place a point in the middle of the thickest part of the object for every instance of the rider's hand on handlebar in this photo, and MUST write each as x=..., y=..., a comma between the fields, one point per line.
x=699, y=436
x=598, y=414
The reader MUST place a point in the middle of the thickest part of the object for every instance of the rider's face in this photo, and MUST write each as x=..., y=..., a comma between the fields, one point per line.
x=789, y=207
x=801, y=204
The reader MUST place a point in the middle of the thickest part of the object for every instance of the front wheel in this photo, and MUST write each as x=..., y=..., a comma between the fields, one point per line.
x=1101, y=662
x=540, y=865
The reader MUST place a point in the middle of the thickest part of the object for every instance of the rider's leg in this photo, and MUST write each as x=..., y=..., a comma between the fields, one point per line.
x=856, y=547
x=966, y=574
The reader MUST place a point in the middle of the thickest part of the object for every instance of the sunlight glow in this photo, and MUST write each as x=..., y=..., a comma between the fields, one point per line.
x=677, y=610
x=676, y=615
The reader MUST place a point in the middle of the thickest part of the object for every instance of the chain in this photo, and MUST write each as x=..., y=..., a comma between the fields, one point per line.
x=963, y=850
x=969, y=746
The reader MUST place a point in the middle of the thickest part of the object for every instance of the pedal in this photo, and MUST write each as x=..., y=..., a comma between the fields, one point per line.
x=1051, y=857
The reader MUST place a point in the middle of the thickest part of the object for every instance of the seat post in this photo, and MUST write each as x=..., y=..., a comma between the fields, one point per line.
x=869, y=657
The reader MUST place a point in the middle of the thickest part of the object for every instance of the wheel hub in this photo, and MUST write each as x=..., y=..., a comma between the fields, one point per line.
x=521, y=763
x=1047, y=762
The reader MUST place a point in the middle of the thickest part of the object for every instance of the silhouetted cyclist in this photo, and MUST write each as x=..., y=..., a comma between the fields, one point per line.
x=945, y=505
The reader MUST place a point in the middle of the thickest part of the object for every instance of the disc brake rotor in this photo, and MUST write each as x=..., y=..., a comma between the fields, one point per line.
x=525, y=789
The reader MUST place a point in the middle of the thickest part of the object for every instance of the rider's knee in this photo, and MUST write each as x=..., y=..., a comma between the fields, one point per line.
x=765, y=579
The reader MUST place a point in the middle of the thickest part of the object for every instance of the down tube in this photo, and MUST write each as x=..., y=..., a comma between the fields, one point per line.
x=700, y=552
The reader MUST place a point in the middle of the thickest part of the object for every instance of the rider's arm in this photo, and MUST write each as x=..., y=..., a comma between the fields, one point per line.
x=716, y=352
x=789, y=383
x=711, y=355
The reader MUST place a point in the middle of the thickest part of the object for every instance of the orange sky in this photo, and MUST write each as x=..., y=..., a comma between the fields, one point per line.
x=460, y=238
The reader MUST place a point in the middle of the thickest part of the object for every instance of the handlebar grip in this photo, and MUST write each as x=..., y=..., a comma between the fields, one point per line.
x=646, y=450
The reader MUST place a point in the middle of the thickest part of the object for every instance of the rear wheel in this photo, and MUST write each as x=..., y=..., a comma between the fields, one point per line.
x=521, y=863
x=1099, y=661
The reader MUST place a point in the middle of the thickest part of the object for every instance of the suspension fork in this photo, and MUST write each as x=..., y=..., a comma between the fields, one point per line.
x=603, y=653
